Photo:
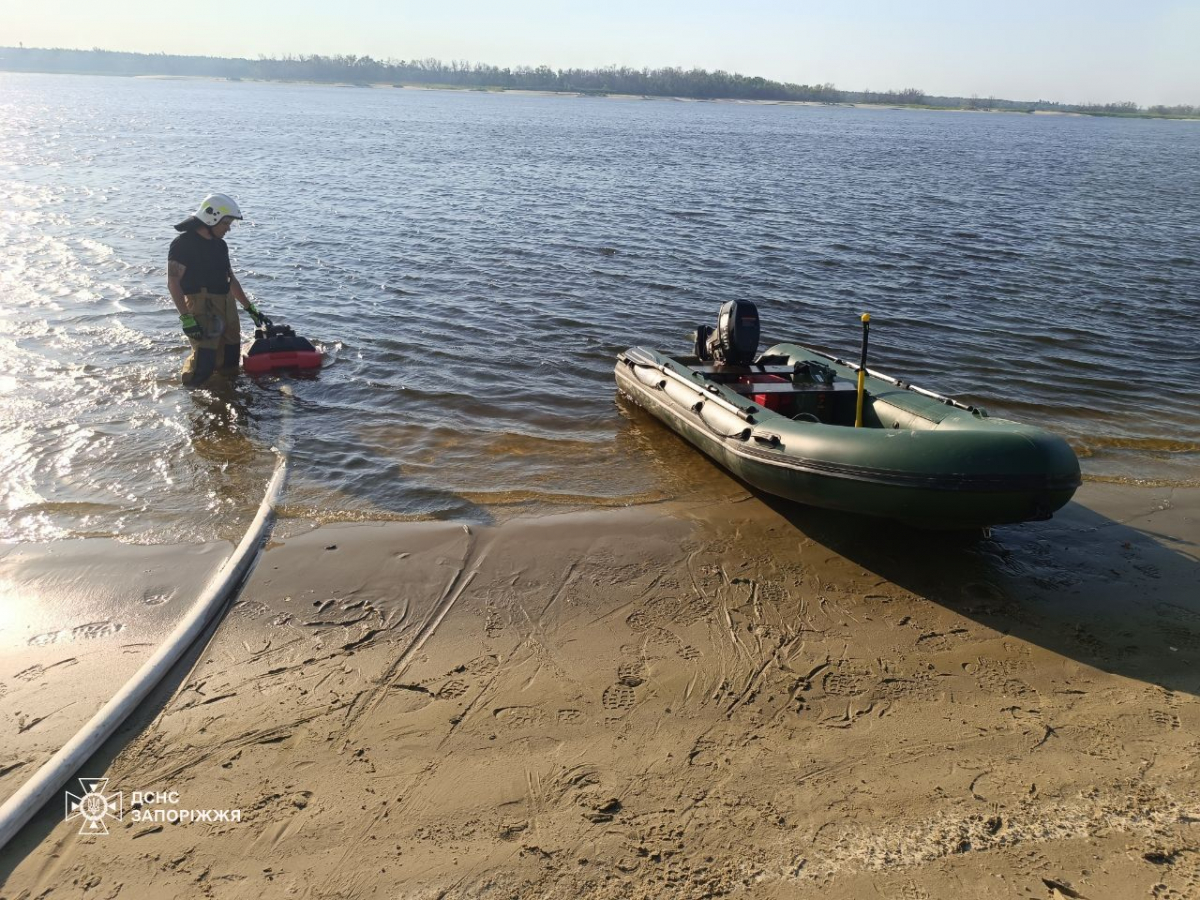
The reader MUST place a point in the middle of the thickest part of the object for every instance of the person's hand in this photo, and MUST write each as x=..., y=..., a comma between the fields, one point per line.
x=191, y=327
x=259, y=318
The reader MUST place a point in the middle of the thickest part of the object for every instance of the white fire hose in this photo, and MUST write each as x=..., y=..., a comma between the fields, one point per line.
x=53, y=775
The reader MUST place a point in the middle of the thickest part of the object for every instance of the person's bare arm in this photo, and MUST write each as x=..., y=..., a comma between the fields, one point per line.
x=175, y=272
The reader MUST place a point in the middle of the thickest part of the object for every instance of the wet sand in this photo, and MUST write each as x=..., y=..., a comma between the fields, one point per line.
x=77, y=619
x=681, y=700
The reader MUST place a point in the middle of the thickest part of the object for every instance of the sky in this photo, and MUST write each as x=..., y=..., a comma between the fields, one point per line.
x=1065, y=50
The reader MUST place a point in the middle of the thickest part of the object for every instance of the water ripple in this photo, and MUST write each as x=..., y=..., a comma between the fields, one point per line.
x=471, y=263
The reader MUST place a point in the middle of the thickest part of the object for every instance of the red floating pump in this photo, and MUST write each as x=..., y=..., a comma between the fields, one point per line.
x=276, y=348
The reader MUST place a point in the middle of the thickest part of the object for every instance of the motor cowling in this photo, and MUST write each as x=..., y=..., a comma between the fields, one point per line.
x=734, y=341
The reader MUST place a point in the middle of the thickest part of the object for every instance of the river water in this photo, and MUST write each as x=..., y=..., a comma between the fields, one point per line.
x=471, y=262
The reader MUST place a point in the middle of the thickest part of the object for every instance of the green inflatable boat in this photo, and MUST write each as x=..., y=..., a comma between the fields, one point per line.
x=785, y=423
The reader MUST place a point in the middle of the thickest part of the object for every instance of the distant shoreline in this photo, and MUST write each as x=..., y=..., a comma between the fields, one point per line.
x=664, y=83
x=604, y=95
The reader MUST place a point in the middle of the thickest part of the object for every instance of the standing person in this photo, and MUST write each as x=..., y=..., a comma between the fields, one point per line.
x=204, y=288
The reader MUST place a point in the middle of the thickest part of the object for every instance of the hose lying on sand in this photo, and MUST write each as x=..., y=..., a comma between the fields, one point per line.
x=50, y=778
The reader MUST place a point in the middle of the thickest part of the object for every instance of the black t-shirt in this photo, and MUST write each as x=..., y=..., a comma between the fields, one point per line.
x=206, y=261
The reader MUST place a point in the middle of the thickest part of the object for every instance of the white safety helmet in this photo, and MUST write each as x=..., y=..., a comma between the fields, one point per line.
x=213, y=209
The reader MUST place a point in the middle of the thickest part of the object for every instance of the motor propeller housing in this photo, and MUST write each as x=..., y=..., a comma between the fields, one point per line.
x=734, y=341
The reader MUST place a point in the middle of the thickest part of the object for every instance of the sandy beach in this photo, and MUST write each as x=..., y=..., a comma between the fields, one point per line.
x=740, y=698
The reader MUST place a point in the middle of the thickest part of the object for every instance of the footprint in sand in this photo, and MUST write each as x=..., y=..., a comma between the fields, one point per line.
x=1000, y=676
x=918, y=687
x=519, y=716
x=1162, y=695
x=452, y=690
x=248, y=609
x=1165, y=719
x=483, y=665
x=37, y=671
x=1181, y=878
x=493, y=602
x=90, y=631
x=618, y=699
x=658, y=636
x=93, y=630
x=494, y=625
x=664, y=638
x=631, y=674
x=681, y=611
x=638, y=621
x=1102, y=744
x=939, y=641
x=848, y=682
x=772, y=592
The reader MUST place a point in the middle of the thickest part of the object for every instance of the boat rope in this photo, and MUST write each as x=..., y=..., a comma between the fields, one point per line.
x=705, y=391
x=924, y=392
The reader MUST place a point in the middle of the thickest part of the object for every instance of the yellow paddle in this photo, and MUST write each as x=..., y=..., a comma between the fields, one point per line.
x=862, y=369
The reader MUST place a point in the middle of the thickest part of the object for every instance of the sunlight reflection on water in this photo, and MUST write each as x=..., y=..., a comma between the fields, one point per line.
x=470, y=265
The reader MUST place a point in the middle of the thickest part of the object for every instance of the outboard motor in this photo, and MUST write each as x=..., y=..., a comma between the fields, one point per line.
x=734, y=341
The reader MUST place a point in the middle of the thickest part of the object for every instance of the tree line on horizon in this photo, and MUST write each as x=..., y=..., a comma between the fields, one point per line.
x=699, y=84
